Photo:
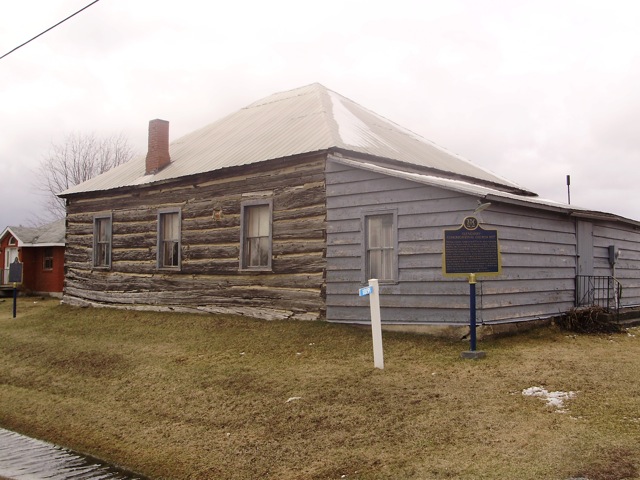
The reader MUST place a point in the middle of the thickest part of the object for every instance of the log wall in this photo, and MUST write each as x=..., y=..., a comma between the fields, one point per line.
x=210, y=278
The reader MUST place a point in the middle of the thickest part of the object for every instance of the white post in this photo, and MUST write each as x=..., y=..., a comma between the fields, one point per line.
x=376, y=324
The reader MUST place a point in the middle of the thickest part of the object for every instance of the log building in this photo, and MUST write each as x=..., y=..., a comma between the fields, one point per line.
x=286, y=207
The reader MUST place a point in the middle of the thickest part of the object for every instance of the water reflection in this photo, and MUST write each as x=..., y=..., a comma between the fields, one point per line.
x=24, y=458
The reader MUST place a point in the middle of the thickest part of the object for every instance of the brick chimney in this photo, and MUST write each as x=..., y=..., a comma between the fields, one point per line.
x=158, y=152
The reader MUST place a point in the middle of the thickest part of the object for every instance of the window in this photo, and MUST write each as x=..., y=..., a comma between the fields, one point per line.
x=255, y=247
x=48, y=258
x=102, y=241
x=169, y=239
x=380, y=247
x=12, y=241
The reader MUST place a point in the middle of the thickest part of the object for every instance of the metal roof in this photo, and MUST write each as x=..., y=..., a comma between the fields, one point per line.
x=49, y=235
x=487, y=193
x=304, y=120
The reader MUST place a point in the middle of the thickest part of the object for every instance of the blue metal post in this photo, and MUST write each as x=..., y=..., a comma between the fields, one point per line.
x=472, y=311
x=15, y=299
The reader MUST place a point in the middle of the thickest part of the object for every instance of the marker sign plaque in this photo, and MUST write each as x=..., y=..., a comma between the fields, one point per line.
x=15, y=272
x=471, y=249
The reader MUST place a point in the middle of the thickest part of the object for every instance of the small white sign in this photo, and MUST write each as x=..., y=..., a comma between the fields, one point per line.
x=364, y=291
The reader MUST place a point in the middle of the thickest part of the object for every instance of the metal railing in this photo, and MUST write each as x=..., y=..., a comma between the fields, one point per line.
x=600, y=291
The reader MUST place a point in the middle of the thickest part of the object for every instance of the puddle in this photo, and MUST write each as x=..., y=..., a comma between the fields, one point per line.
x=24, y=458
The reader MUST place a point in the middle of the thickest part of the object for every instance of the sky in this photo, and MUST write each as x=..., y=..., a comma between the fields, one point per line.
x=530, y=90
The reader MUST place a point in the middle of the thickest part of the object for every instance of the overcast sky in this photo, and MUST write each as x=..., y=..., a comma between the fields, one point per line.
x=531, y=90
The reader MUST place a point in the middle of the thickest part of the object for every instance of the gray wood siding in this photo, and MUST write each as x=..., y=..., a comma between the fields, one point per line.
x=627, y=268
x=538, y=254
x=210, y=278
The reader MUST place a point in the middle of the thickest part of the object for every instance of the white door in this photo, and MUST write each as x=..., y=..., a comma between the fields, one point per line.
x=10, y=254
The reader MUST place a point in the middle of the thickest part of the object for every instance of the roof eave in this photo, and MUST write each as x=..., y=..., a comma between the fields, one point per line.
x=8, y=230
x=48, y=244
x=412, y=168
x=186, y=178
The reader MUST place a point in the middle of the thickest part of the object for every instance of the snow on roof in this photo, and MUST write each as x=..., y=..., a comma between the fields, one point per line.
x=304, y=120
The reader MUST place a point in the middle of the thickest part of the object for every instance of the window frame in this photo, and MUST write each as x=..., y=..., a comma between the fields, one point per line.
x=244, y=206
x=365, y=245
x=46, y=257
x=160, y=240
x=96, y=241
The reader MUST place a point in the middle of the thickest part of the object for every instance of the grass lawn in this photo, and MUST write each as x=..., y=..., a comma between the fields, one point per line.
x=179, y=396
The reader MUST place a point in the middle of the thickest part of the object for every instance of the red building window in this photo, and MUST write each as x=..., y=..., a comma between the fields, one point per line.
x=48, y=258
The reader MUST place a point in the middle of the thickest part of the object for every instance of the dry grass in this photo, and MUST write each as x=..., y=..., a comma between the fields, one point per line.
x=181, y=396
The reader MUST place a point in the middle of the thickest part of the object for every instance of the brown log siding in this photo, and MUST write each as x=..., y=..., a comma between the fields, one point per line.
x=209, y=278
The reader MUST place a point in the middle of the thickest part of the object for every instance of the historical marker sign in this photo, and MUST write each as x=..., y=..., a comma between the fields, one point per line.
x=15, y=272
x=471, y=249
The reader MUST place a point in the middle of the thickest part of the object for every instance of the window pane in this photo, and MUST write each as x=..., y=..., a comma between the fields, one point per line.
x=48, y=258
x=380, y=247
x=257, y=236
x=257, y=252
x=264, y=251
x=170, y=254
x=254, y=252
x=373, y=231
x=169, y=239
x=170, y=226
x=386, y=269
x=102, y=242
x=258, y=221
x=375, y=264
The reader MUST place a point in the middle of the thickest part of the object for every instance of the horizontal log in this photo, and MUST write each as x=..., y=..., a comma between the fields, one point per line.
x=256, y=312
x=299, y=264
x=200, y=252
x=213, y=236
x=134, y=254
x=300, y=197
x=121, y=228
x=134, y=241
x=266, y=177
x=298, y=246
x=314, y=211
x=307, y=228
x=209, y=223
x=125, y=282
x=256, y=297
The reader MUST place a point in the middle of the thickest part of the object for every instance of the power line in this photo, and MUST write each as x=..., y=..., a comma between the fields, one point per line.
x=50, y=28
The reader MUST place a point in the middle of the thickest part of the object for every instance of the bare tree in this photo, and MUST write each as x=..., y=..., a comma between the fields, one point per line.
x=77, y=159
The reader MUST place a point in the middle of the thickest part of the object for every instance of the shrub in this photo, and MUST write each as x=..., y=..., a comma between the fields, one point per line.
x=589, y=320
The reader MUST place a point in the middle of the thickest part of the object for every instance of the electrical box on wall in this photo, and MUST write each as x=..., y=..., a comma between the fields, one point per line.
x=614, y=253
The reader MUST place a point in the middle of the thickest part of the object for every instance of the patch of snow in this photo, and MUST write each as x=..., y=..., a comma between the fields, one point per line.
x=351, y=129
x=553, y=399
x=293, y=399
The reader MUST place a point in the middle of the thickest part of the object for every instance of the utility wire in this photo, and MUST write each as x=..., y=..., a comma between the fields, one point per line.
x=50, y=28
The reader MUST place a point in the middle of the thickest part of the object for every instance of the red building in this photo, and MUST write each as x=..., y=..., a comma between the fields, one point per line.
x=41, y=251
